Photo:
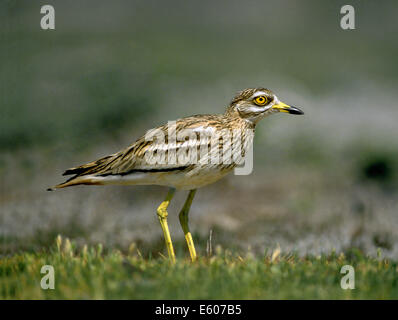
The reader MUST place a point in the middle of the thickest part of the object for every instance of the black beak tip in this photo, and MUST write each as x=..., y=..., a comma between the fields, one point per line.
x=294, y=110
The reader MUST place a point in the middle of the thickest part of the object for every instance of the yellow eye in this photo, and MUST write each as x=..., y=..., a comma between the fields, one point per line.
x=261, y=100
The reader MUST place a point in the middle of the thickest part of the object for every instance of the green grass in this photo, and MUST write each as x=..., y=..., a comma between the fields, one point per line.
x=94, y=273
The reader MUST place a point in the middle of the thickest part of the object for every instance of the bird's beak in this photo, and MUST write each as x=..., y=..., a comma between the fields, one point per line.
x=283, y=107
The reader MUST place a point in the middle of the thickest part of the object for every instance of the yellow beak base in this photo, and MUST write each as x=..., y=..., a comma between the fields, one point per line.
x=283, y=107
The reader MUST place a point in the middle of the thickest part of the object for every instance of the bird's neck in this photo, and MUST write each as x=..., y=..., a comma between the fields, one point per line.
x=234, y=117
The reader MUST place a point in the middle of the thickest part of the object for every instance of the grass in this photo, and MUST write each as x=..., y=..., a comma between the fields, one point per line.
x=94, y=273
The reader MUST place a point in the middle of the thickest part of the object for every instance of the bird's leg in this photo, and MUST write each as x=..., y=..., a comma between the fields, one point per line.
x=162, y=214
x=184, y=224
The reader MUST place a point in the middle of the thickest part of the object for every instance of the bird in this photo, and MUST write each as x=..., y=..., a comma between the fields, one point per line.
x=185, y=154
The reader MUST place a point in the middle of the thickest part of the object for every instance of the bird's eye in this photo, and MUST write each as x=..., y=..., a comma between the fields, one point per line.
x=261, y=100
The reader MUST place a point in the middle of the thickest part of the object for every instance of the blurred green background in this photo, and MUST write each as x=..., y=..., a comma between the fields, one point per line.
x=113, y=69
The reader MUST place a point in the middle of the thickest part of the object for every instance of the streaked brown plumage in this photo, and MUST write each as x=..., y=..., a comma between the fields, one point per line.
x=132, y=166
x=131, y=160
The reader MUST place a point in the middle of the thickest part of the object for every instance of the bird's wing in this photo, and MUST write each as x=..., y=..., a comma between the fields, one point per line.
x=161, y=149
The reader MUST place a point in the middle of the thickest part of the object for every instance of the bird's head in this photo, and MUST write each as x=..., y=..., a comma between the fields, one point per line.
x=255, y=104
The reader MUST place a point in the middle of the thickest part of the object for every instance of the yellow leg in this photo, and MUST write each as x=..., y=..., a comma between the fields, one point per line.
x=162, y=214
x=184, y=224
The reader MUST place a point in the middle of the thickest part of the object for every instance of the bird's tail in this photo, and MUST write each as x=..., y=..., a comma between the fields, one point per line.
x=84, y=174
x=74, y=181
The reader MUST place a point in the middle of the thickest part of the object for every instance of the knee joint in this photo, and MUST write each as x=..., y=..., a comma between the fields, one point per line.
x=161, y=211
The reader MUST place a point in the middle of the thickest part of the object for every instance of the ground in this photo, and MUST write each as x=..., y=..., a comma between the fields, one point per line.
x=94, y=273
